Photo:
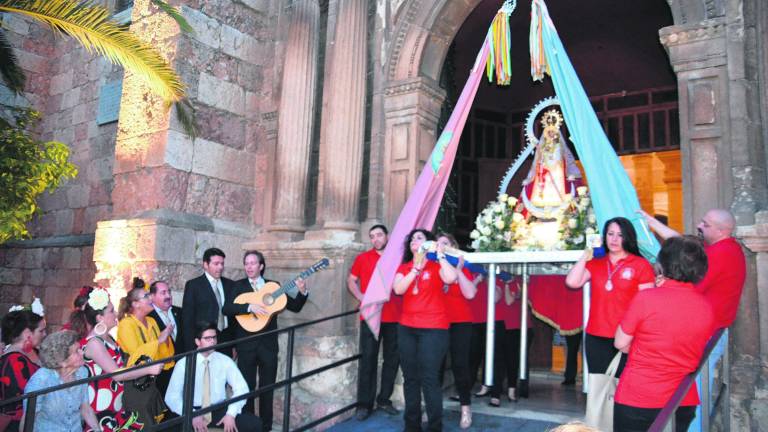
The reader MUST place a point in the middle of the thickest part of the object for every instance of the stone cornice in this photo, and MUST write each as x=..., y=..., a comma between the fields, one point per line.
x=415, y=85
x=683, y=34
x=755, y=237
x=402, y=31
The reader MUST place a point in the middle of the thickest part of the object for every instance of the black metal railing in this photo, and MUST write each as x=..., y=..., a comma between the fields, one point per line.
x=666, y=419
x=185, y=418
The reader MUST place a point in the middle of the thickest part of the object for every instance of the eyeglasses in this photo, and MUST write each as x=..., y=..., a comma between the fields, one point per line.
x=209, y=338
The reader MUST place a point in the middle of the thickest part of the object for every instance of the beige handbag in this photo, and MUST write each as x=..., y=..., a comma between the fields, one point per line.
x=602, y=387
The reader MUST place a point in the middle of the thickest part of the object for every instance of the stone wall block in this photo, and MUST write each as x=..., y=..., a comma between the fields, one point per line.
x=34, y=277
x=234, y=203
x=61, y=83
x=100, y=170
x=64, y=222
x=174, y=244
x=33, y=258
x=238, y=44
x=215, y=160
x=179, y=150
x=10, y=276
x=150, y=188
x=71, y=258
x=222, y=127
x=32, y=62
x=71, y=98
x=94, y=214
x=221, y=94
x=207, y=29
x=78, y=195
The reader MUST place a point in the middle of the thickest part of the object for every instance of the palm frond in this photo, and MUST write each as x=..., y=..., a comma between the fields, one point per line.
x=10, y=70
x=90, y=25
x=185, y=114
x=174, y=13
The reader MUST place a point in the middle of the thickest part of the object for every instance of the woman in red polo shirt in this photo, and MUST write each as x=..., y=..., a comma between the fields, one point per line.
x=616, y=278
x=457, y=299
x=422, y=337
x=665, y=331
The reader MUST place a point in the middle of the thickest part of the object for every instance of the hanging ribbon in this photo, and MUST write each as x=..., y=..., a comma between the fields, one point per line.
x=499, y=61
x=539, y=65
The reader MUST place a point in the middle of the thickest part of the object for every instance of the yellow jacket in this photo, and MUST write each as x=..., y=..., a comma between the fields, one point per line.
x=136, y=339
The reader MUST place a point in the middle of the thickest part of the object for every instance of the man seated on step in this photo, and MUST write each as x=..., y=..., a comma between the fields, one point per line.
x=213, y=372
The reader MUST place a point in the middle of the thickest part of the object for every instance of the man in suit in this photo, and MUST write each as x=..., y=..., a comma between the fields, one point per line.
x=203, y=298
x=258, y=355
x=165, y=314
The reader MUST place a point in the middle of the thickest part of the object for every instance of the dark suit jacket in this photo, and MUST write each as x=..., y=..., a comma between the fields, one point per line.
x=200, y=304
x=178, y=343
x=231, y=309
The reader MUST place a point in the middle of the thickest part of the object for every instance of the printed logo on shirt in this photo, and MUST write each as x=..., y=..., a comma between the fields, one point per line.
x=424, y=276
x=627, y=274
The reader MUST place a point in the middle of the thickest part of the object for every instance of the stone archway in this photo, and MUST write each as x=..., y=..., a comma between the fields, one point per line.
x=724, y=161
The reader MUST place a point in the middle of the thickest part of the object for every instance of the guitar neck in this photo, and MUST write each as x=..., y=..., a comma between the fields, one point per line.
x=291, y=284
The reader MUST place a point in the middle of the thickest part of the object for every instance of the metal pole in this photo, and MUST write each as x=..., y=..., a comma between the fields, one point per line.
x=490, y=327
x=189, y=390
x=288, y=376
x=523, y=385
x=29, y=414
x=586, y=290
x=726, y=374
x=706, y=395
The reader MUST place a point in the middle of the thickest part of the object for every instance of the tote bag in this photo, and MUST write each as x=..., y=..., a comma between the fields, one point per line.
x=602, y=387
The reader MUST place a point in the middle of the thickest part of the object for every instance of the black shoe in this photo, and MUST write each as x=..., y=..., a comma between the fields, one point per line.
x=362, y=414
x=388, y=408
x=568, y=382
x=455, y=398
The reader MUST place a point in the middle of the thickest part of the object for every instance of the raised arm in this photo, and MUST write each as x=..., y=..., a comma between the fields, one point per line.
x=95, y=350
x=467, y=287
x=579, y=275
x=659, y=228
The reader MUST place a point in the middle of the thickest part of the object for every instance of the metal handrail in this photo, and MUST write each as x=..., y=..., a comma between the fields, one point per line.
x=666, y=418
x=189, y=413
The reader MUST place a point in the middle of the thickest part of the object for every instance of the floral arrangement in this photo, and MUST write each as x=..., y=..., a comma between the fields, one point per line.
x=502, y=226
x=499, y=225
x=578, y=222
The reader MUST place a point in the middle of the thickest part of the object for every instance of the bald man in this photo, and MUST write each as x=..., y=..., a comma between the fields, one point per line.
x=727, y=267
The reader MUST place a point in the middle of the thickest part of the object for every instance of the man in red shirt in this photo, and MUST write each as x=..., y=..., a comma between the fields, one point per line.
x=357, y=282
x=724, y=280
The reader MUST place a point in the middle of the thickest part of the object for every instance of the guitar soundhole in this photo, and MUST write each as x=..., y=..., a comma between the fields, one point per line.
x=268, y=300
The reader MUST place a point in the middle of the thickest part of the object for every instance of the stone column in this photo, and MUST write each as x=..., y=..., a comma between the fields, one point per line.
x=412, y=109
x=297, y=106
x=343, y=126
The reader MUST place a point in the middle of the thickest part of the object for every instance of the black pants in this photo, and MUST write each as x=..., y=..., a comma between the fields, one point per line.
x=632, y=419
x=369, y=350
x=600, y=352
x=572, y=343
x=460, y=343
x=421, y=353
x=245, y=422
x=163, y=380
x=477, y=351
x=508, y=363
x=261, y=360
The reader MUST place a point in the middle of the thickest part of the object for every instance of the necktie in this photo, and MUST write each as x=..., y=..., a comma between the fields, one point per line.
x=253, y=285
x=216, y=292
x=207, y=390
x=168, y=322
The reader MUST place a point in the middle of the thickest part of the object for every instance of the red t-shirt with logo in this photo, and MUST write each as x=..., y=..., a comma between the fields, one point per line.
x=457, y=305
x=479, y=303
x=363, y=268
x=607, y=307
x=426, y=307
x=670, y=326
x=724, y=281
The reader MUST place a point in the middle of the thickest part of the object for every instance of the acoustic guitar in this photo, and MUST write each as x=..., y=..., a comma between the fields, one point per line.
x=273, y=297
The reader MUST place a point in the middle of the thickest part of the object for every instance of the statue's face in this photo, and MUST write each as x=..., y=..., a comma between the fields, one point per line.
x=552, y=135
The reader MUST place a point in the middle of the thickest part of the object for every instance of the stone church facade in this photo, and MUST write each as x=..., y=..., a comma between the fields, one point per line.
x=315, y=119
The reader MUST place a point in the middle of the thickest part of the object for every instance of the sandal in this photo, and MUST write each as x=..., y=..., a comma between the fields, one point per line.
x=511, y=395
x=466, y=417
x=494, y=402
x=483, y=392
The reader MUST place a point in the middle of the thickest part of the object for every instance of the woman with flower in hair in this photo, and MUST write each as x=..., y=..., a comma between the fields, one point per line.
x=141, y=338
x=23, y=331
x=103, y=355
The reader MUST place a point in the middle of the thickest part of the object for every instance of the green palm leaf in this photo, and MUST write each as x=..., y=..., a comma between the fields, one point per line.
x=90, y=25
x=9, y=66
x=174, y=13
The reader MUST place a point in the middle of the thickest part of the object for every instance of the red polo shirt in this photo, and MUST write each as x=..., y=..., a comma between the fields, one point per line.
x=363, y=268
x=670, y=326
x=479, y=304
x=426, y=307
x=457, y=305
x=607, y=307
x=512, y=313
x=724, y=281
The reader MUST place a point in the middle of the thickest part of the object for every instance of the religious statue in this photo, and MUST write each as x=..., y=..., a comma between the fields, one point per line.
x=552, y=180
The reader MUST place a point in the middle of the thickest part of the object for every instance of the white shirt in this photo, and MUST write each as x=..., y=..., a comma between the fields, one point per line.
x=216, y=284
x=167, y=318
x=223, y=371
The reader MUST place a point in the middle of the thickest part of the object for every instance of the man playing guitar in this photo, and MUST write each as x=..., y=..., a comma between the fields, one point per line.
x=258, y=355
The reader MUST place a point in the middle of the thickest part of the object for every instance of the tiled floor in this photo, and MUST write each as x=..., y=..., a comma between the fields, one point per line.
x=549, y=404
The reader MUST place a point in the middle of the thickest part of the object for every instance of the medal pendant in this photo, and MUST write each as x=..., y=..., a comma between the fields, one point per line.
x=608, y=285
x=415, y=290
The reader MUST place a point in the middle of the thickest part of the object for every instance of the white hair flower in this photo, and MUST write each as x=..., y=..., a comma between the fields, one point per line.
x=98, y=299
x=16, y=308
x=37, y=307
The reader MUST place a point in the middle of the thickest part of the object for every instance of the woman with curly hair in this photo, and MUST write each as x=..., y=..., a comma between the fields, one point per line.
x=63, y=410
x=103, y=355
x=422, y=337
x=23, y=331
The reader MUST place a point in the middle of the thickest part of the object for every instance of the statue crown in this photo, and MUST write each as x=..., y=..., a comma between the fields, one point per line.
x=551, y=119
